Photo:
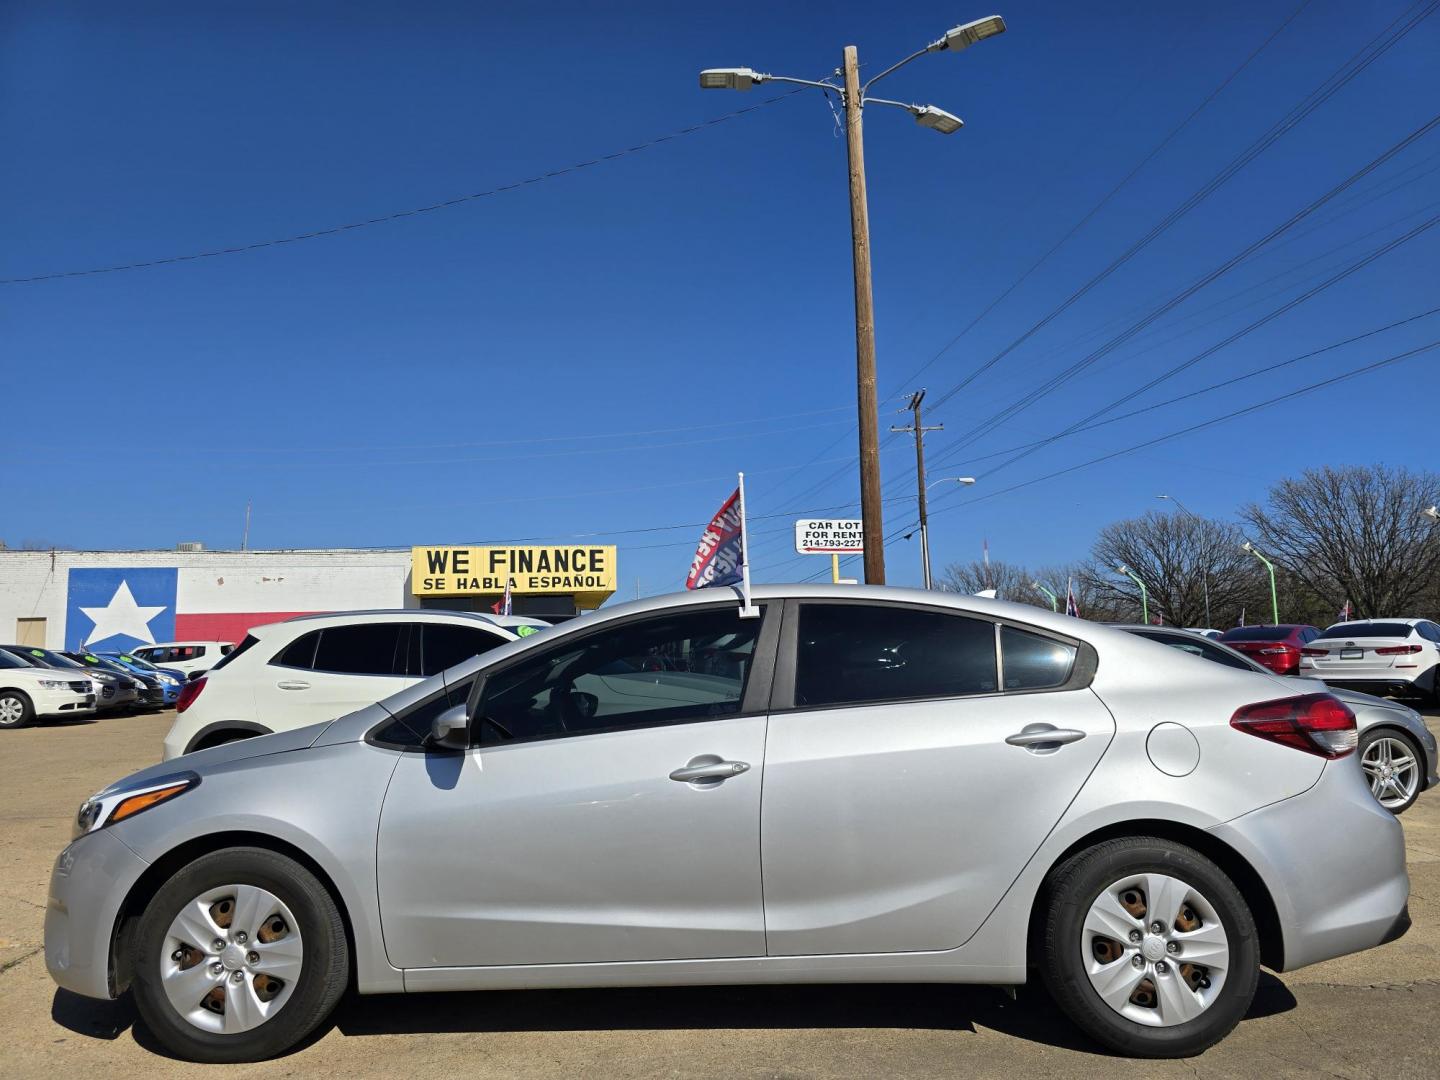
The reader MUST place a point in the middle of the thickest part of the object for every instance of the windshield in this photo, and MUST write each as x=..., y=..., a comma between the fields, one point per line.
x=1256, y=633
x=1368, y=629
x=51, y=658
x=135, y=661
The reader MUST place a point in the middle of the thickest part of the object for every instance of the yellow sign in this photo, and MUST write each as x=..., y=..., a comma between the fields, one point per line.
x=586, y=572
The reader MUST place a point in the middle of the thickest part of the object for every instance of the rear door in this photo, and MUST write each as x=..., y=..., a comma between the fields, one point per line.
x=334, y=670
x=896, y=814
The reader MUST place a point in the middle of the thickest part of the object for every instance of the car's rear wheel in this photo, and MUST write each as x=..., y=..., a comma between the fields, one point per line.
x=1149, y=947
x=15, y=709
x=1392, y=764
x=239, y=957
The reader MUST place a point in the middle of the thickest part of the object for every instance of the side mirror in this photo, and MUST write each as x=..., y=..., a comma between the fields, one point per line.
x=451, y=729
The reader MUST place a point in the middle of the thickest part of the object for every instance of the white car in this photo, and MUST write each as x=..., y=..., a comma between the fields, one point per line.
x=1378, y=656
x=319, y=667
x=186, y=656
x=28, y=693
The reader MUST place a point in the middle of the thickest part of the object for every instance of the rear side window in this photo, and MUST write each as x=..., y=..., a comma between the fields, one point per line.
x=231, y=654
x=363, y=649
x=1032, y=662
x=853, y=653
x=446, y=645
x=300, y=653
x=1368, y=630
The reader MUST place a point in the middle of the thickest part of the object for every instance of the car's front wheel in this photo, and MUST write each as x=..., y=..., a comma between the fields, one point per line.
x=15, y=709
x=1392, y=764
x=1149, y=947
x=238, y=957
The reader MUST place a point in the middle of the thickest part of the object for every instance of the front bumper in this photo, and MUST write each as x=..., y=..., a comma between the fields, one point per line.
x=88, y=883
x=1333, y=860
x=63, y=702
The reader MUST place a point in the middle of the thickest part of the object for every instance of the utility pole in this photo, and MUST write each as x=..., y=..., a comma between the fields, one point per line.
x=870, y=512
x=919, y=430
x=245, y=536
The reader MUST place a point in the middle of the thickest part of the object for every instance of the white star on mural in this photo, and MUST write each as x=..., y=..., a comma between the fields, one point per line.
x=122, y=616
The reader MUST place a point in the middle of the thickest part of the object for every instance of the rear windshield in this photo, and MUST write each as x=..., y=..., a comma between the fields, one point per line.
x=1256, y=633
x=234, y=651
x=1369, y=629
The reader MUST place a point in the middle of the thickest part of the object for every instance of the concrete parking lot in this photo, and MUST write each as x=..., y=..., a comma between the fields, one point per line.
x=1370, y=1015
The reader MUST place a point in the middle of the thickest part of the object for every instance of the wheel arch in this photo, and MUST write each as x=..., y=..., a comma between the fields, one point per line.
x=205, y=737
x=1252, y=887
x=162, y=869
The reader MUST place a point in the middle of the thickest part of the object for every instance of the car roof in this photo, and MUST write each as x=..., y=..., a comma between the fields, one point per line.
x=167, y=644
x=423, y=614
x=1367, y=622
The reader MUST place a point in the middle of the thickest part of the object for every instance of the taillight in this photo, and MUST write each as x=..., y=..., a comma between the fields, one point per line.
x=1316, y=723
x=1276, y=651
x=188, y=693
x=1397, y=650
x=1314, y=652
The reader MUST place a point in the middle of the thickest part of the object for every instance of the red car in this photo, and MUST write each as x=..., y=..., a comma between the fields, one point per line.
x=1277, y=647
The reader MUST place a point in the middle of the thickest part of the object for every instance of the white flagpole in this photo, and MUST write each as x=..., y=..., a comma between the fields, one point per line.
x=747, y=609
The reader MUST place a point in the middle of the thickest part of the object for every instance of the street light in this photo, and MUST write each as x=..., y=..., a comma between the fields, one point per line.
x=1144, y=593
x=925, y=523
x=1432, y=512
x=1274, y=596
x=1054, y=598
x=852, y=96
x=1204, y=570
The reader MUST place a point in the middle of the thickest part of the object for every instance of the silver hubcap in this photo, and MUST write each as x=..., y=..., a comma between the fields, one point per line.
x=1155, y=950
x=11, y=710
x=1392, y=770
x=232, y=958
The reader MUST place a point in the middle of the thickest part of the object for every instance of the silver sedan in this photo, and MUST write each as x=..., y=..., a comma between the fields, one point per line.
x=956, y=790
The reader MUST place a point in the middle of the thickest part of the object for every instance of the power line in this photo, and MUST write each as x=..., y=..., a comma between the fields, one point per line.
x=1352, y=67
x=397, y=215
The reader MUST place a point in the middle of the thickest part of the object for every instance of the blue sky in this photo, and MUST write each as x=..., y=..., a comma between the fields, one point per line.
x=603, y=350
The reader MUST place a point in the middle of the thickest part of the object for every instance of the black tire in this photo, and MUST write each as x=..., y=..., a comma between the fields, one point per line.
x=1072, y=889
x=322, y=981
x=1369, y=738
x=17, y=705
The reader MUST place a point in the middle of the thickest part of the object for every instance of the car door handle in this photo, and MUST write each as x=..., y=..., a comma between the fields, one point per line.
x=710, y=770
x=293, y=684
x=1039, y=738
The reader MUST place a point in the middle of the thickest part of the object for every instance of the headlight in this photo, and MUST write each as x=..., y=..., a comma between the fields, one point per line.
x=97, y=812
x=136, y=684
x=52, y=684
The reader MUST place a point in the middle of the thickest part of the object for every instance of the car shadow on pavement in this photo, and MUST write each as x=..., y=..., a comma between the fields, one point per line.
x=1033, y=1017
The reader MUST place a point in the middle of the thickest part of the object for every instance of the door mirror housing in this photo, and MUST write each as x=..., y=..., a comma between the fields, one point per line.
x=451, y=729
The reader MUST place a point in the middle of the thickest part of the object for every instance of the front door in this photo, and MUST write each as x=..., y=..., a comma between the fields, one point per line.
x=572, y=831
x=896, y=813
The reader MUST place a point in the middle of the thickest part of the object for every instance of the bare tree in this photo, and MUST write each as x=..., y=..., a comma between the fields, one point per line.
x=1009, y=580
x=1181, y=559
x=1355, y=534
x=1079, y=577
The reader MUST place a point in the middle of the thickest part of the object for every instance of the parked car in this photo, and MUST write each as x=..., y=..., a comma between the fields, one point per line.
x=1383, y=656
x=1397, y=750
x=170, y=679
x=1204, y=631
x=28, y=693
x=317, y=667
x=1275, y=647
x=190, y=657
x=149, y=694
x=955, y=790
x=112, y=691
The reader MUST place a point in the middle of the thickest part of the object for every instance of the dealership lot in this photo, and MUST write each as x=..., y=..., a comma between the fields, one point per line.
x=1367, y=1015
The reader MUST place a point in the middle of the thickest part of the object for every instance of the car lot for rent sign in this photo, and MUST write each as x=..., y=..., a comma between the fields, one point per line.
x=829, y=536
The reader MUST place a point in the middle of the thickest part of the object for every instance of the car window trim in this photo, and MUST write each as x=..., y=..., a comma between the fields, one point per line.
x=755, y=702
x=782, y=699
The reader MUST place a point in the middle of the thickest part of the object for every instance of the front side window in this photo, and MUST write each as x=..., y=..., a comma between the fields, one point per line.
x=446, y=645
x=1032, y=662
x=410, y=728
x=852, y=653
x=671, y=669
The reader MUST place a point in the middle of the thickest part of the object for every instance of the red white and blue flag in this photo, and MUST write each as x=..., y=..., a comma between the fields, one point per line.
x=1344, y=613
x=502, y=606
x=720, y=556
x=1072, y=606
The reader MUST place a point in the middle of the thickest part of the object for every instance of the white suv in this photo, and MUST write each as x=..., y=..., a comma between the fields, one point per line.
x=1378, y=656
x=318, y=667
x=186, y=656
x=28, y=692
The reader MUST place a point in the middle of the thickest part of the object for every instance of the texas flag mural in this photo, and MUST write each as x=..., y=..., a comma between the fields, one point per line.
x=126, y=607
